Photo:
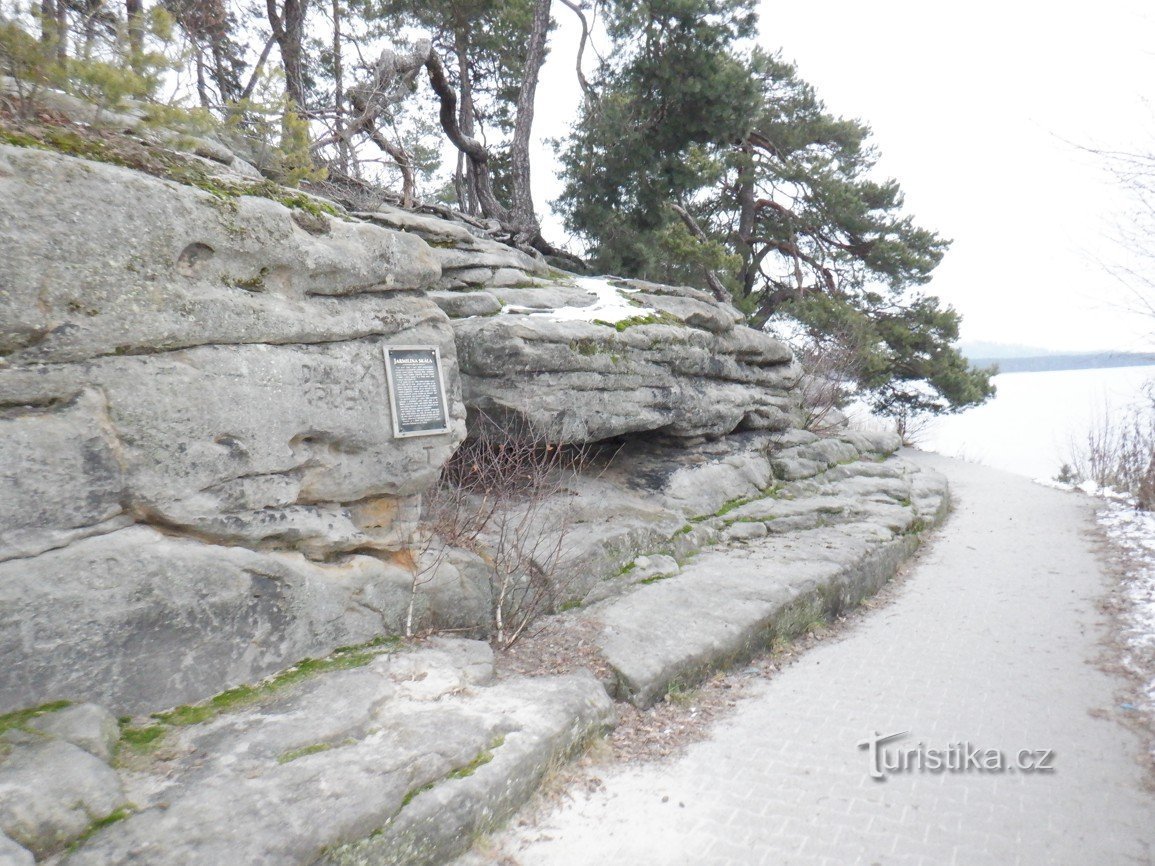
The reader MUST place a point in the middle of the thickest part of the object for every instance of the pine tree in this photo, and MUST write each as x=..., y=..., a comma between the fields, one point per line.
x=696, y=161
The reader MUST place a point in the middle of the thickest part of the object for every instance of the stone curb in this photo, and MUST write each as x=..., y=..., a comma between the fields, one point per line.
x=726, y=607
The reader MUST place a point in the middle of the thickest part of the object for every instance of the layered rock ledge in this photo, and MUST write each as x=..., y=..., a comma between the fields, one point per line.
x=197, y=430
x=208, y=528
x=582, y=359
x=201, y=483
x=399, y=754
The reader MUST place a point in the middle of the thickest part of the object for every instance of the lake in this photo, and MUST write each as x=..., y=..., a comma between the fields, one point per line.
x=1037, y=419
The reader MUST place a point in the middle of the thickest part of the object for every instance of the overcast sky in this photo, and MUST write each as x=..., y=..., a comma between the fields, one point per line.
x=979, y=110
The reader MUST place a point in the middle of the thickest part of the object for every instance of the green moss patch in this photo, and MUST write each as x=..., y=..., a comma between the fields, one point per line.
x=655, y=579
x=483, y=758
x=586, y=348
x=773, y=492
x=917, y=526
x=249, y=284
x=658, y=318
x=294, y=754
x=108, y=820
x=19, y=719
x=102, y=146
x=408, y=798
x=114, y=817
x=343, y=658
x=146, y=738
x=477, y=763
x=140, y=738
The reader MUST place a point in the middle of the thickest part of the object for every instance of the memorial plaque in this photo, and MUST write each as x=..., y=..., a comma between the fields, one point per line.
x=416, y=390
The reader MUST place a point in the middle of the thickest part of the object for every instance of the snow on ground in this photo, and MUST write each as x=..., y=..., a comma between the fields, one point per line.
x=1133, y=531
x=612, y=304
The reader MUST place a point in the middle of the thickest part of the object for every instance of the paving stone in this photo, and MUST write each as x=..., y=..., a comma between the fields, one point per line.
x=993, y=639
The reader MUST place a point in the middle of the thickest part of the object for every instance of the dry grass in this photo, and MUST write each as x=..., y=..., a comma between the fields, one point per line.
x=1119, y=453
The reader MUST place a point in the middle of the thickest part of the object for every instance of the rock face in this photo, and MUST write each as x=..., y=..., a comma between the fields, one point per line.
x=579, y=359
x=573, y=368
x=51, y=792
x=12, y=854
x=403, y=760
x=468, y=259
x=89, y=726
x=201, y=484
x=799, y=552
x=666, y=498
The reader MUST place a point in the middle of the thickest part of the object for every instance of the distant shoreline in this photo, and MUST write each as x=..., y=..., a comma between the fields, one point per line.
x=1054, y=363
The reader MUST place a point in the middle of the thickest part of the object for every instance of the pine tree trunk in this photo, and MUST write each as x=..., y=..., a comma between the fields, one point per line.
x=339, y=91
x=465, y=117
x=746, y=214
x=134, y=13
x=523, y=213
x=62, y=31
x=288, y=30
x=476, y=155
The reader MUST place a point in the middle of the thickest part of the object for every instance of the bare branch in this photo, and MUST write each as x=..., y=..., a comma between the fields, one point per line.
x=257, y=68
x=523, y=124
x=716, y=287
x=474, y=151
x=581, y=77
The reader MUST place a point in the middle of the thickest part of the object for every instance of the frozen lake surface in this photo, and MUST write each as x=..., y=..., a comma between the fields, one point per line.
x=1037, y=419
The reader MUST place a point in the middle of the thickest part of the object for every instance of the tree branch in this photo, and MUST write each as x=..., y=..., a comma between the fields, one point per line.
x=474, y=151
x=716, y=288
x=257, y=67
x=581, y=77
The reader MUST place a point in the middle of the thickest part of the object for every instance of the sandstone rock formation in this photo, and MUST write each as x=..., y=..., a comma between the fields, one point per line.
x=200, y=487
x=197, y=428
x=354, y=768
x=580, y=359
x=202, y=484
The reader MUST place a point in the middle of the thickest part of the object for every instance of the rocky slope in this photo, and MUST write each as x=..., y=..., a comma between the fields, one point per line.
x=201, y=483
x=196, y=424
x=203, y=506
x=580, y=359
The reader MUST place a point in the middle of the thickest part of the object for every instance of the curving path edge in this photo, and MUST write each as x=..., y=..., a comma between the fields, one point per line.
x=994, y=640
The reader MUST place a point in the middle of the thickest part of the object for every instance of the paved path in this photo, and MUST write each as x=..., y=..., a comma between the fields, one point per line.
x=992, y=641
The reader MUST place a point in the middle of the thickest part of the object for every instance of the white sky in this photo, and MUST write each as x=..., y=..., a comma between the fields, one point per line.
x=977, y=108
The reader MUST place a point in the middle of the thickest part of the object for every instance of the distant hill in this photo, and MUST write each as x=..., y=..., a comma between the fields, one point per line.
x=1059, y=361
x=985, y=349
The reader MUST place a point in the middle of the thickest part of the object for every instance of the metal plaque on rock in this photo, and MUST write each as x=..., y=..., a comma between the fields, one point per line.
x=416, y=390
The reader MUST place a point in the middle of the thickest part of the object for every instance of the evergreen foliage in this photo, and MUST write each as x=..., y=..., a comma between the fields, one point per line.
x=695, y=158
x=702, y=161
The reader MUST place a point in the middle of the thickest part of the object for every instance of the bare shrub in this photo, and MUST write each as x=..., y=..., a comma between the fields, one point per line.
x=825, y=388
x=832, y=365
x=911, y=425
x=505, y=497
x=1119, y=453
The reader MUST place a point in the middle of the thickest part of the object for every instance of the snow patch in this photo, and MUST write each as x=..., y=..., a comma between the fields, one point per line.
x=611, y=304
x=1134, y=532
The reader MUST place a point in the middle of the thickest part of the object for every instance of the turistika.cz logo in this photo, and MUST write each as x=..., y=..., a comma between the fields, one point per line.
x=886, y=760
